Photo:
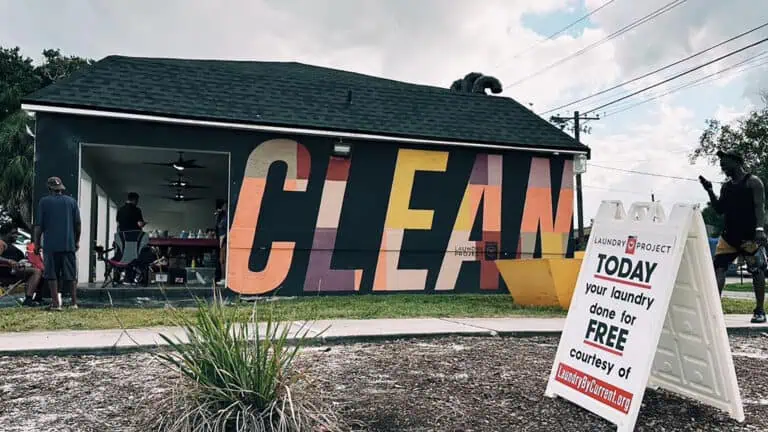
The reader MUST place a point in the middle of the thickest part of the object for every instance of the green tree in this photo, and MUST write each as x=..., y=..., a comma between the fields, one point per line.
x=19, y=77
x=713, y=220
x=747, y=135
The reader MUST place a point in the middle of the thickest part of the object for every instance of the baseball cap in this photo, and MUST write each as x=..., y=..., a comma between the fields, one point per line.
x=732, y=154
x=55, y=183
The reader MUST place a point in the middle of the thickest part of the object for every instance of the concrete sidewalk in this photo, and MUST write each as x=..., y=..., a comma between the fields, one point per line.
x=89, y=341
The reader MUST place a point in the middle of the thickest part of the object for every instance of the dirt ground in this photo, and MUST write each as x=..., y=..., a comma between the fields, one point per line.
x=448, y=384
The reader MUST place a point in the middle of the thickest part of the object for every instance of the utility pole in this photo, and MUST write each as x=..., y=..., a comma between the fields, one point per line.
x=577, y=118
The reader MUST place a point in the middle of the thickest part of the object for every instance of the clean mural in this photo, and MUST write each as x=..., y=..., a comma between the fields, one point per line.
x=390, y=218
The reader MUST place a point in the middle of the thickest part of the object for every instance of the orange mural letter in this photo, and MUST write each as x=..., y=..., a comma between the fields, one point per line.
x=537, y=215
x=484, y=184
x=240, y=277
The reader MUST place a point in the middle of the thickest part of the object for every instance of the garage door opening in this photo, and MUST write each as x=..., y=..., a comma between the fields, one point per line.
x=179, y=192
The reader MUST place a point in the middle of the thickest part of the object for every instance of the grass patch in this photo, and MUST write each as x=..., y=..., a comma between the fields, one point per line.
x=738, y=306
x=745, y=287
x=300, y=309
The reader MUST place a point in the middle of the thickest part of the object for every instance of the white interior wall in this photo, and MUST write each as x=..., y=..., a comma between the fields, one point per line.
x=101, y=228
x=112, y=221
x=177, y=216
x=84, y=201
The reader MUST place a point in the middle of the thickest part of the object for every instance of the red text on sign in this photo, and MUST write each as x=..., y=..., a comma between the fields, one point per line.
x=596, y=389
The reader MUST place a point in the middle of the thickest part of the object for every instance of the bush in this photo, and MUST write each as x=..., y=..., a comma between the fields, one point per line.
x=237, y=377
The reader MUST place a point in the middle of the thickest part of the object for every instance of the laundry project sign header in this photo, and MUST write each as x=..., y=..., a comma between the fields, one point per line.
x=610, y=337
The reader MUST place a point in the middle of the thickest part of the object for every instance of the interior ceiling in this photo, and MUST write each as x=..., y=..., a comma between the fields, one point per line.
x=119, y=170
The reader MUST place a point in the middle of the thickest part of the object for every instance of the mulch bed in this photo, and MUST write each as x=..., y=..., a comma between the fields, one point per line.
x=447, y=384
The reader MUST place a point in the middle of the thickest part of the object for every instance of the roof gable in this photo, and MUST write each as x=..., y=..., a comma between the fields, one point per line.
x=300, y=95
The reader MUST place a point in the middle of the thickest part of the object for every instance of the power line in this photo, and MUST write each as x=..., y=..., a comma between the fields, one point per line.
x=698, y=82
x=658, y=70
x=615, y=190
x=658, y=12
x=681, y=74
x=555, y=34
x=678, y=89
x=647, y=173
x=691, y=84
x=649, y=159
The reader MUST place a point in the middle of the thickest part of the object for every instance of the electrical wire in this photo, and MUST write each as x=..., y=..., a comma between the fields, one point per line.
x=555, y=34
x=640, y=21
x=647, y=173
x=698, y=82
x=614, y=190
x=679, y=75
x=663, y=68
x=649, y=159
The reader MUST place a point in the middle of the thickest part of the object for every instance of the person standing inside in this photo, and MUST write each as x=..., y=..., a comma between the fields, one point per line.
x=129, y=216
x=741, y=202
x=222, y=228
x=58, y=223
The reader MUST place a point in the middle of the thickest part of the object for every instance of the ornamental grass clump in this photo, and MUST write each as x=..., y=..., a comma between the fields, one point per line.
x=237, y=377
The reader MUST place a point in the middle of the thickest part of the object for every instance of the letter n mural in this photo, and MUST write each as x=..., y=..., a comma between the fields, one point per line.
x=538, y=220
x=240, y=277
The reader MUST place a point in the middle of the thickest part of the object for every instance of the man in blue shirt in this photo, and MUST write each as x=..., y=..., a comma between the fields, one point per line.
x=58, y=222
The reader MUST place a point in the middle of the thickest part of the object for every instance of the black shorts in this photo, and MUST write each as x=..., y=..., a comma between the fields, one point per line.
x=60, y=266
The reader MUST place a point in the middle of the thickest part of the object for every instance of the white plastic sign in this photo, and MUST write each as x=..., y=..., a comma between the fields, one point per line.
x=645, y=311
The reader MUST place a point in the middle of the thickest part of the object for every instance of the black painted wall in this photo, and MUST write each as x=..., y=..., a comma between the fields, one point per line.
x=292, y=216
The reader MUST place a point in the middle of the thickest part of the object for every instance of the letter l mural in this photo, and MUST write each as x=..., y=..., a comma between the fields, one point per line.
x=320, y=276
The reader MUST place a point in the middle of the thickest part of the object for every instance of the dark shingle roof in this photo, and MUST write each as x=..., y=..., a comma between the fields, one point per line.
x=299, y=95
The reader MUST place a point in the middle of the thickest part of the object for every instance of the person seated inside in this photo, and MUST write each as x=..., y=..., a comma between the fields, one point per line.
x=130, y=218
x=11, y=267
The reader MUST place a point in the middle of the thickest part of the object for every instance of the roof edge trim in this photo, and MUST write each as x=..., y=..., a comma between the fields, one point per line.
x=33, y=108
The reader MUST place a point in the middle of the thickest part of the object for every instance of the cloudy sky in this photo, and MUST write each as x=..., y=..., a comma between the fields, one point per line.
x=436, y=41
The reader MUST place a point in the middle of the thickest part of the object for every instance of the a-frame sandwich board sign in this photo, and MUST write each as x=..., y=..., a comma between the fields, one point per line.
x=645, y=312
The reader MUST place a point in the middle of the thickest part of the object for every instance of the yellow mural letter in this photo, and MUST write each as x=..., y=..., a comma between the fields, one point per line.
x=401, y=217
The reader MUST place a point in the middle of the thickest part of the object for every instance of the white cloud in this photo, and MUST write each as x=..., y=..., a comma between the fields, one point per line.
x=728, y=114
x=660, y=146
x=435, y=42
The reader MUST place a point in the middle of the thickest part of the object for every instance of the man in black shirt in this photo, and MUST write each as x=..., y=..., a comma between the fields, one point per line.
x=741, y=203
x=129, y=217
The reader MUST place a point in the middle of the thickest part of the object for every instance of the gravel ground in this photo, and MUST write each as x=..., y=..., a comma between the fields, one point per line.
x=449, y=384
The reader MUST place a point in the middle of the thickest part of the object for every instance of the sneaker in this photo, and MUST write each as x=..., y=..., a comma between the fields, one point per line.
x=53, y=308
x=758, y=318
x=28, y=302
x=73, y=307
x=221, y=283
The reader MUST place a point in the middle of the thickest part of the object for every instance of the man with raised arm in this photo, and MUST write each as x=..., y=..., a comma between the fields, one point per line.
x=741, y=202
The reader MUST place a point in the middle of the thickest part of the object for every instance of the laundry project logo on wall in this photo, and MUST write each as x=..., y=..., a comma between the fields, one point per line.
x=606, y=336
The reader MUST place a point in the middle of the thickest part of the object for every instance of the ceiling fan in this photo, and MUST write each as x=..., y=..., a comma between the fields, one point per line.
x=181, y=197
x=181, y=183
x=179, y=164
